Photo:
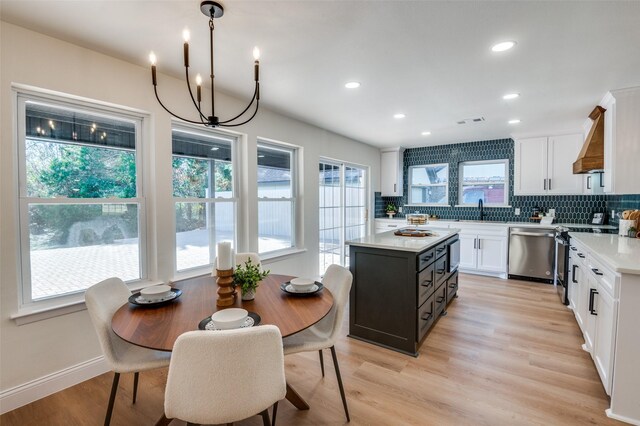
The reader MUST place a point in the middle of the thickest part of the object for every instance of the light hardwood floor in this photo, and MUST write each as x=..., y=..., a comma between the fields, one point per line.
x=507, y=353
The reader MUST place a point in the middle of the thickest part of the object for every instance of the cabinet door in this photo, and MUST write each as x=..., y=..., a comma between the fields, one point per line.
x=492, y=253
x=581, y=294
x=389, y=164
x=603, y=345
x=609, y=143
x=589, y=321
x=562, y=152
x=530, y=168
x=572, y=286
x=468, y=258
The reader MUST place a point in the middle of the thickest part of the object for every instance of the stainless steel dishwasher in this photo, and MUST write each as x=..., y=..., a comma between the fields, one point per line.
x=532, y=253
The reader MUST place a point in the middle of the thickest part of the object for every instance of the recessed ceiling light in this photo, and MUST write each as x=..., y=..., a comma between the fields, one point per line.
x=502, y=46
x=510, y=96
x=515, y=121
x=352, y=85
x=425, y=133
x=399, y=115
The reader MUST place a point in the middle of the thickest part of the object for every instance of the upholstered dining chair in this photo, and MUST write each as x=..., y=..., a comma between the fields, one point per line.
x=324, y=334
x=225, y=376
x=103, y=300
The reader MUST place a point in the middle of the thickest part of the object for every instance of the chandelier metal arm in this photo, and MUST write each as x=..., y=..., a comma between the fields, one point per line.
x=255, y=92
x=202, y=116
x=155, y=89
x=211, y=28
x=248, y=120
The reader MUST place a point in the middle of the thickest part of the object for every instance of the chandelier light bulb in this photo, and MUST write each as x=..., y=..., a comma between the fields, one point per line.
x=199, y=80
x=152, y=58
x=186, y=35
x=256, y=53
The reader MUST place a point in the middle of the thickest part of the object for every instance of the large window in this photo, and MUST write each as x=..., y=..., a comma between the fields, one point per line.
x=276, y=197
x=81, y=205
x=429, y=184
x=204, y=194
x=343, y=210
x=484, y=180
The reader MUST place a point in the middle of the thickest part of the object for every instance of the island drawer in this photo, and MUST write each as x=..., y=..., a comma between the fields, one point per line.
x=426, y=283
x=441, y=249
x=426, y=317
x=425, y=258
x=440, y=270
x=452, y=286
x=440, y=299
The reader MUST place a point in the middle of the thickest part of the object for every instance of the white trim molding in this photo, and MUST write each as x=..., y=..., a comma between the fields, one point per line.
x=34, y=390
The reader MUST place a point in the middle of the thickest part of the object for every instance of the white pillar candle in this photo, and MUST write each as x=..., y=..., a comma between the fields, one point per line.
x=225, y=258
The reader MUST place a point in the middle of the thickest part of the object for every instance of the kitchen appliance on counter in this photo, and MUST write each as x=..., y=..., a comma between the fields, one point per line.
x=532, y=254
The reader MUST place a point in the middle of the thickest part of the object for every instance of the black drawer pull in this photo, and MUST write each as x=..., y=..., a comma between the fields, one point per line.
x=581, y=256
x=440, y=271
x=592, y=293
x=429, y=256
x=427, y=318
x=573, y=274
x=428, y=283
x=596, y=271
x=453, y=285
x=573, y=248
x=440, y=300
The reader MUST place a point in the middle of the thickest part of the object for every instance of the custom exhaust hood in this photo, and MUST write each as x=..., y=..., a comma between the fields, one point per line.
x=591, y=157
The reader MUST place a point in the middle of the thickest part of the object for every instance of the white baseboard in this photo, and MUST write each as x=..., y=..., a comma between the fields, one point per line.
x=34, y=390
x=621, y=418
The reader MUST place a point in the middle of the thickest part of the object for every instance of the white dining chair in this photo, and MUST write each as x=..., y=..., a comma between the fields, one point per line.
x=219, y=377
x=324, y=333
x=103, y=300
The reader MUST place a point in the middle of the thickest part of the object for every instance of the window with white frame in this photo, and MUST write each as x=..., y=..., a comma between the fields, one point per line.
x=429, y=184
x=277, y=194
x=80, y=196
x=204, y=193
x=484, y=180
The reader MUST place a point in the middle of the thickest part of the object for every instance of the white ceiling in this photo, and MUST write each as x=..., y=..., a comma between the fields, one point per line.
x=430, y=60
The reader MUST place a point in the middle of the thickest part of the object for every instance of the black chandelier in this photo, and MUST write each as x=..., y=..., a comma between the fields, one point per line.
x=212, y=10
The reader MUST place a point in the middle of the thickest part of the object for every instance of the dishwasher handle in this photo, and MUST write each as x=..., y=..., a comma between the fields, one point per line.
x=532, y=234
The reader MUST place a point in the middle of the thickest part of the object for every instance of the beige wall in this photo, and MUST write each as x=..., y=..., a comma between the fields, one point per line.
x=33, y=350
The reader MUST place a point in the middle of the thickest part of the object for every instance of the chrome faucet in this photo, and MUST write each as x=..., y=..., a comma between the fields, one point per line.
x=481, y=207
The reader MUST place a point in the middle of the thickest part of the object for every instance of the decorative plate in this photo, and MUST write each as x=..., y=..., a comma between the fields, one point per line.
x=136, y=299
x=252, y=320
x=288, y=288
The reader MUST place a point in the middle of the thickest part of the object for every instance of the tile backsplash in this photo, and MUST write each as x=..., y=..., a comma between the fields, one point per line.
x=569, y=208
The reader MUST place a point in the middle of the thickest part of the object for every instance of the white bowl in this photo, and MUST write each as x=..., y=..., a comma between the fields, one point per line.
x=156, y=292
x=229, y=318
x=302, y=284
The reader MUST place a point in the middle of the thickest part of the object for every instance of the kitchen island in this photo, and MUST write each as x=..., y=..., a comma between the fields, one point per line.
x=401, y=285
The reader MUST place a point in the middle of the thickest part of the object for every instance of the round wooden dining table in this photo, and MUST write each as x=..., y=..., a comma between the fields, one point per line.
x=158, y=327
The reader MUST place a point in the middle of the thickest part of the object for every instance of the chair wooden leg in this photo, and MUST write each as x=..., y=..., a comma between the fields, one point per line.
x=135, y=386
x=112, y=399
x=265, y=418
x=344, y=398
x=321, y=361
x=273, y=415
x=194, y=424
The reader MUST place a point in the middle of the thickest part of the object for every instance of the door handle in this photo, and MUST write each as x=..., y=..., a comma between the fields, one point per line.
x=427, y=318
x=440, y=271
x=573, y=248
x=596, y=271
x=573, y=274
x=581, y=256
x=429, y=284
x=479, y=248
x=592, y=294
x=549, y=184
x=602, y=180
x=545, y=184
x=452, y=286
x=474, y=243
x=439, y=300
x=394, y=187
x=588, y=182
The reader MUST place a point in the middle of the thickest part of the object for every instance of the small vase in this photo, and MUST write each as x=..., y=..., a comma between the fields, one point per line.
x=248, y=295
x=390, y=214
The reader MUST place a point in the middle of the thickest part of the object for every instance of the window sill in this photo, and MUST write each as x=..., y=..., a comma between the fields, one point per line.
x=425, y=205
x=275, y=256
x=46, y=309
x=486, y=206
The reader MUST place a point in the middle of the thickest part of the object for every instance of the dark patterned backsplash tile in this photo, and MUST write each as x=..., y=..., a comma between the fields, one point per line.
x=569, y=208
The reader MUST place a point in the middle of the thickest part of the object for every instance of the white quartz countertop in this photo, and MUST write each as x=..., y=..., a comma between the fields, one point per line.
x=387, y=240
x=433, y=223
x=622, y=254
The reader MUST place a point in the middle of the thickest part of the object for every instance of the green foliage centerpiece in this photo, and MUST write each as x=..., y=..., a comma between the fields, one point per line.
x=247, y=278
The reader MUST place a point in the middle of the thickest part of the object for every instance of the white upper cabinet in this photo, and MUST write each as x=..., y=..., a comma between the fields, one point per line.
x=391, y=172
x=545, y=165
x=622, y=141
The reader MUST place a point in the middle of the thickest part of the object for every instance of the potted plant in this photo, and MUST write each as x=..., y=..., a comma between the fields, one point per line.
x=247, y=278
x=391, y=210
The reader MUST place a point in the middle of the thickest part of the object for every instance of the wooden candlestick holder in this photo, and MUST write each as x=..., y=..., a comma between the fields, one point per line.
x=226, y=289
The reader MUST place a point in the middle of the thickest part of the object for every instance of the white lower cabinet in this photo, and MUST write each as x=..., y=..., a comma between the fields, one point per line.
x=589, y=320
x=483, y=252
